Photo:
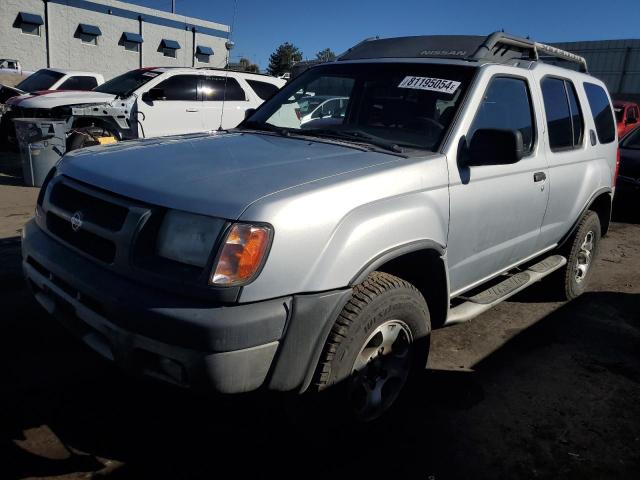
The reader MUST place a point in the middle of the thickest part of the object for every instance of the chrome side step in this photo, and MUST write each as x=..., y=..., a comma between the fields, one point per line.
x=483, y=301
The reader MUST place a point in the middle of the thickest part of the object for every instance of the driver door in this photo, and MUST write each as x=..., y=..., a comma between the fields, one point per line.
x=178, y=112
x=496, y=211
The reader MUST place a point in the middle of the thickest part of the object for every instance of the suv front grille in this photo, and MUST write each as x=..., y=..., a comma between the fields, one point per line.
x=105, y=223
x=85, y=241
x=95, y=210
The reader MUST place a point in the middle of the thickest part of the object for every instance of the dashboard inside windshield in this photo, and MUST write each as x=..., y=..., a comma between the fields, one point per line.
x=411, y=105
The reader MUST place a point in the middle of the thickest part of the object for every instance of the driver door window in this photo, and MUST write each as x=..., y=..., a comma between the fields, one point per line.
x=506, y=105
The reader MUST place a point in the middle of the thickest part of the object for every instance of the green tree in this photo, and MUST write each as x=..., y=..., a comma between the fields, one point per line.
x=326, y=55
x=283, y=59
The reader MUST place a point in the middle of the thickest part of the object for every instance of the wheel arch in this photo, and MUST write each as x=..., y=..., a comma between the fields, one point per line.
x=423, y=264
x=601, y=203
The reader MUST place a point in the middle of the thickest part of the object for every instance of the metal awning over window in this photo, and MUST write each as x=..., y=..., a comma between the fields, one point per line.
x=203, y=50
x=30, y=18
x=132, y=37
x=89, y=30
x=172, y=44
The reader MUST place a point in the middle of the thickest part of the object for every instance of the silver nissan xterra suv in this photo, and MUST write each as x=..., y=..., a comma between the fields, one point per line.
x=317, y=246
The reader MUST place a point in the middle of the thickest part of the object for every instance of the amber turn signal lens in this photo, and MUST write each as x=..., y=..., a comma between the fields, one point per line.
x=242, y=254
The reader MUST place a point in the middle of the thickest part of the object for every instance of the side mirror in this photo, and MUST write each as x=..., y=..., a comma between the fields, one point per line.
x=248, y=112
x=154, y=94
x=490, y=146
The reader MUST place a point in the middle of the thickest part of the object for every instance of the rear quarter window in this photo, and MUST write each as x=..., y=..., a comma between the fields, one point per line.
x=602, y=112
x=263, y=89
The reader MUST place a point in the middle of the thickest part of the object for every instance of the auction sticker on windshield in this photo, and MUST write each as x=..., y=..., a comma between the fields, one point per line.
x=428, y=83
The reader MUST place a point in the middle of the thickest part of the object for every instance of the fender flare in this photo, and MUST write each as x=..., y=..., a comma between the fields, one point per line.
x=395, y=252
x=590, y=202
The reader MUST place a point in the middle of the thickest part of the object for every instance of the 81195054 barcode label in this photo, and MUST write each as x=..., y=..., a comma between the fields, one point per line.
x=428, y=83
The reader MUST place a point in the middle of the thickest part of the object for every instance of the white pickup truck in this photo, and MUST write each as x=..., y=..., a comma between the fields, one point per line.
x=47, y=79
x=9, y=65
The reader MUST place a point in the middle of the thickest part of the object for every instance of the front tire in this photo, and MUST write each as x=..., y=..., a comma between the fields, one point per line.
x=379, y=342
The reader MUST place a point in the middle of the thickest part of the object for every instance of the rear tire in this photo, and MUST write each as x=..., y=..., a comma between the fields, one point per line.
x=378, y=344
x=580, y=251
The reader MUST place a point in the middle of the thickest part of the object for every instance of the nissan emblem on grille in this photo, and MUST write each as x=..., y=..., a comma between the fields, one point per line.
x=76, y=221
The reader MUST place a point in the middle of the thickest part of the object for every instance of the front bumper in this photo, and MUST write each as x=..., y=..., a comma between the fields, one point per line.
x=183, y=341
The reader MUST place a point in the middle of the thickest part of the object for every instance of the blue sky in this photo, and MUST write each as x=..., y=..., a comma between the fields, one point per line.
x=260, y=26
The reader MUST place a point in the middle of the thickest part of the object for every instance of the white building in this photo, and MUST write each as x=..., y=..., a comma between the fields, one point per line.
x=106, y=36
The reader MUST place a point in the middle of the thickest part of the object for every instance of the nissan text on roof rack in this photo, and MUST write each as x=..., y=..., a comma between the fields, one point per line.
x=305, y=256
x=148, y=102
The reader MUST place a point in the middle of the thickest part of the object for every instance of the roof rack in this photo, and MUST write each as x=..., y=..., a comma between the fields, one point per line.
x=498, y=47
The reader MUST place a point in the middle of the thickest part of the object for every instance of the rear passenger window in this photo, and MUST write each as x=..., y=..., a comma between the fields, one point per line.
x=601, y=111
x=213, y=89
x=263, y=89
x=506, y=106
x=79, y=83
x=564, y=116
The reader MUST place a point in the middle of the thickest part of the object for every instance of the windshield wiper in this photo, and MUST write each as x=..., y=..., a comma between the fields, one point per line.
x=356, y=135
x=264, y=127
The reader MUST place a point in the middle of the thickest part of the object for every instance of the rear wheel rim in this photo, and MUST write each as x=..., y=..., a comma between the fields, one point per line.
x=585, y=256
x=380, y=370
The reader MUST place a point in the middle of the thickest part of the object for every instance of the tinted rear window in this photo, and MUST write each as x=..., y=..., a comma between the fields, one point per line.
x=41, y=80
x=602, y=112
x=79, y=83
x=564, y=115
x=263, y=89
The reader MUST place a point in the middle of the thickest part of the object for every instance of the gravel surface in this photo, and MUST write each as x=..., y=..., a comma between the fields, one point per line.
x=532, y=389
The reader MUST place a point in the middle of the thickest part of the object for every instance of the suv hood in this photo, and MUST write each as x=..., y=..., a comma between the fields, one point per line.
x=57, y=98
x=216, y=174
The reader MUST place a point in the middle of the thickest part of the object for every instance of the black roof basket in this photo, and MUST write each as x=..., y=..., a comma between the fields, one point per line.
x=498, y=47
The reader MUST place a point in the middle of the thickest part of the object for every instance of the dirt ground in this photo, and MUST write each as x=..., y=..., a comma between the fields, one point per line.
x=531, y=389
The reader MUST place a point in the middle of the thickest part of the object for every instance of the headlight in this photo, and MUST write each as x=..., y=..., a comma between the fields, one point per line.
x=187, y=237
x=242, y=254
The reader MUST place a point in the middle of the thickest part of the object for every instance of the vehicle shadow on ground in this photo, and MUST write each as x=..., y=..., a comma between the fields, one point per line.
x=555, y=401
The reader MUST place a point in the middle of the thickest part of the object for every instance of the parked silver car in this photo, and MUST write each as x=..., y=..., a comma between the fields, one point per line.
x=298, y=259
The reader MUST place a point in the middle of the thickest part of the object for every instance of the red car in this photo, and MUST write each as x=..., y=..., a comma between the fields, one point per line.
x=627, y=116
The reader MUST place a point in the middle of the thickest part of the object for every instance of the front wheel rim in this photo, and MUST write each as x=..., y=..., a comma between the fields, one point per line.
x=380, y=369
x=585, y=256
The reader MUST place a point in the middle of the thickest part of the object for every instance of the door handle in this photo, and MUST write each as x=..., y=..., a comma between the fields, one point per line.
x=192, y=110
x=539, y=176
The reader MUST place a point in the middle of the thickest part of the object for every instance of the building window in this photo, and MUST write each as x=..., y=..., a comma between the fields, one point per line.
x=88, y=39
x=29, y=23
x=203, y=53
x=88, y=34
x=30, y=29
x=169, y=48
x=131, y=46
x=131, y=41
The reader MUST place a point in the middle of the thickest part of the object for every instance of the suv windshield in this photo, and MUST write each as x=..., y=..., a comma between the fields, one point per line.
x=40, y=80
x=125, y=84
x=402, y=104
